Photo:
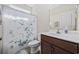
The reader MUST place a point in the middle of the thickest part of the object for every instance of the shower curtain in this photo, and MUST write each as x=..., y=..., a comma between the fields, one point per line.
x=19, y=28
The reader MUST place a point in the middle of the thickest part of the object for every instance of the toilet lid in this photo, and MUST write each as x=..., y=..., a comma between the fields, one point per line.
x=34, y=42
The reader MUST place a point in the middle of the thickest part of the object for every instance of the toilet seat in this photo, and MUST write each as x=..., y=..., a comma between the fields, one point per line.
x=23, y=52
x=34, y=42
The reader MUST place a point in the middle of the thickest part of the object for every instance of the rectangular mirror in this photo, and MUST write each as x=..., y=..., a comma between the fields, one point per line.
x=63, y=16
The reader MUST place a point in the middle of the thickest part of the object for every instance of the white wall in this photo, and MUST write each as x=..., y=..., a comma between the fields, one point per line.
x=78, y=18
x=43, y=16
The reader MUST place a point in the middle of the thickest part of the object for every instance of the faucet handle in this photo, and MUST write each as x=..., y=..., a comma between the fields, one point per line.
x=58, y=31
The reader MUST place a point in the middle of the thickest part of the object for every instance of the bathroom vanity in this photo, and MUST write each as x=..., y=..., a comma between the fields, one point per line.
x=0, y=45
x=53, y=43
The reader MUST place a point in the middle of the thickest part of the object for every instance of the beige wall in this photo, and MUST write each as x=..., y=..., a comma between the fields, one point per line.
x=43, y=16
x=78, y=19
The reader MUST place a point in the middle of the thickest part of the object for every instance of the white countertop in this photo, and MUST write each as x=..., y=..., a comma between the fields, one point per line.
x=72, y=36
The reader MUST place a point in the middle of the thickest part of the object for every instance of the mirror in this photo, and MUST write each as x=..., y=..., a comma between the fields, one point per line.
x=63, y=16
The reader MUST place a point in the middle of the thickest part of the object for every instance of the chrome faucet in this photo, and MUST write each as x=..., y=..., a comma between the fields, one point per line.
x=58, y=31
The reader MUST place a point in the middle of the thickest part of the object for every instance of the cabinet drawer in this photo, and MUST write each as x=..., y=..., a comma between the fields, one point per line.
x=71, y=47
x=57, y=50
x=78, y=48
x=46, y=38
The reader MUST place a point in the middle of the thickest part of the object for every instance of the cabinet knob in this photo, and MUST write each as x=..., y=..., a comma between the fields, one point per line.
x=0, y=38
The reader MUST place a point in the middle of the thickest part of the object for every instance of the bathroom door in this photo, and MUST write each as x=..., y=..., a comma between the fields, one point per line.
x=18, y=27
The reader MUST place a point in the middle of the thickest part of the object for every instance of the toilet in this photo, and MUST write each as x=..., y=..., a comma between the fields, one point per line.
x=24, y=51
x=34, y=46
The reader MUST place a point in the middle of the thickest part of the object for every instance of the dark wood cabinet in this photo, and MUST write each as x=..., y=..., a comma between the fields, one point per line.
x=78, y=48
x=57, y=50
x=52, y=45
x=46, y=48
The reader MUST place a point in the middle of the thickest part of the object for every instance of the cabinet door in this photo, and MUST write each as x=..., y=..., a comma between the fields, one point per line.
x=45, y=48
x=78, y=49
x=57, y=50
x=0, y=46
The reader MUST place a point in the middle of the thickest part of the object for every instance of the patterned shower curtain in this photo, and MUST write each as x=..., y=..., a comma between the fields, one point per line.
x=19, y=29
